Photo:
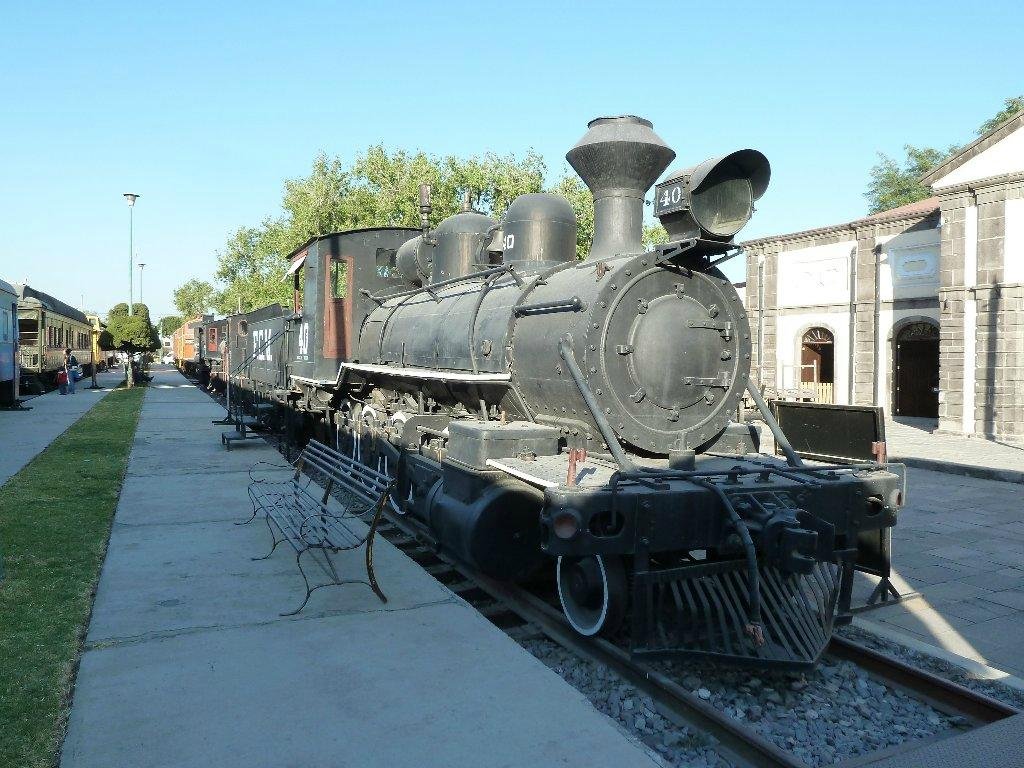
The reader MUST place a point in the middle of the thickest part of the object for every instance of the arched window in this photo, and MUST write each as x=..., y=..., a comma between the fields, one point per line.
x=817, y=356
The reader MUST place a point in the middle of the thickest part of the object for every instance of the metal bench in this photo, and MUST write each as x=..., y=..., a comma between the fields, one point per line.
x=302, y=510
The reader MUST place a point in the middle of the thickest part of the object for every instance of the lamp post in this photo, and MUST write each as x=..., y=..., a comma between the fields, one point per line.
x=142, y=265
x=130, y=198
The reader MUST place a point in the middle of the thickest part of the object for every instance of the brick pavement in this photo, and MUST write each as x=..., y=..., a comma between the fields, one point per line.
x=960, y=543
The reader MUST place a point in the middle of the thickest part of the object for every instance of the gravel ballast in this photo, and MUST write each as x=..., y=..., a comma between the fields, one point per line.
x=822, y=716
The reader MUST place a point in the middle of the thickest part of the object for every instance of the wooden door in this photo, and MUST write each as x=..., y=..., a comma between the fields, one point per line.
x=917, y=371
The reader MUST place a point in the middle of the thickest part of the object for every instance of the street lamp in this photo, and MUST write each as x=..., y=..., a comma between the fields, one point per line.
x=130, y=198
x=142, y=266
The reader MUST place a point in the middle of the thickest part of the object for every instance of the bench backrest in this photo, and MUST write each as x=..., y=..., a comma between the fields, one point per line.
x=339, y=470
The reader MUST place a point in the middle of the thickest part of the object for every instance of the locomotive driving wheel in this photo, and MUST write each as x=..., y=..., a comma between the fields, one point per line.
x=593, y=593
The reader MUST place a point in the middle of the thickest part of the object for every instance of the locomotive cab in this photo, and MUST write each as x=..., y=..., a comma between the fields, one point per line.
x=335, y=277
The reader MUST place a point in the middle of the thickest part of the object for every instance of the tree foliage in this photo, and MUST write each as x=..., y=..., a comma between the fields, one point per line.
x=380, y=188
x=894, y=183
x=572, y=188
x=129, y=333
x=251, y=269
x=194, y=298
x=168, y=324
x=1011, y=107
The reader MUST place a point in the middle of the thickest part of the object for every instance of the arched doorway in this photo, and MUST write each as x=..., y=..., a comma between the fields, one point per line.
x=817, y=356
x=917, y=370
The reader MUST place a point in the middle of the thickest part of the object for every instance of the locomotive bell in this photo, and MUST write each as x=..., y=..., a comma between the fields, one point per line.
x=713, y=200
x=619, y=159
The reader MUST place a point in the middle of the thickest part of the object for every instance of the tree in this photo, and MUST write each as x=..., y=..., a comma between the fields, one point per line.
x=1010, y=107
x=893, y=184
x=380, y=189
x=129, y=333
x=168, y=324
x=194, y=298
x=251, y=268
x=572, y=188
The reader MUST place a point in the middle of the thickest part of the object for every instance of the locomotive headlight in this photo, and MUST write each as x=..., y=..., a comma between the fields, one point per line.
x=713, y=200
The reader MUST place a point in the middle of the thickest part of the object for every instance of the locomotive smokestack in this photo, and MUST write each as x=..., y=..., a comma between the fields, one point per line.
x=619, y=159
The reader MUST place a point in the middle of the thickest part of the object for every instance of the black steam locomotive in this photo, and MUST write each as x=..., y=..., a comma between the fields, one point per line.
x=535, y=408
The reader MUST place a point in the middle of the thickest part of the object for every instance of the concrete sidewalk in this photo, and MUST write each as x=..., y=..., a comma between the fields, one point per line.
x=916, y=443
x=188, y=663
x=26, y=433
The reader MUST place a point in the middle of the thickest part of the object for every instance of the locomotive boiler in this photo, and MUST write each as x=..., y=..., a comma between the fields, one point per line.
x=541, y=413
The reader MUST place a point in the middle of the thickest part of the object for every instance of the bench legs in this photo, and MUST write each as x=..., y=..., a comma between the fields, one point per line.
x=252, y=500
x=336, y=582
x=273, y=536
x=377, y=512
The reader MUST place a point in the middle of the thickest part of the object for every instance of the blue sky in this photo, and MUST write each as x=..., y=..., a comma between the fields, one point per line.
x=205, y=108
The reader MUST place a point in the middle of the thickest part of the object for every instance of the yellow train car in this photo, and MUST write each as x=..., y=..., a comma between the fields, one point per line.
x=46, y=327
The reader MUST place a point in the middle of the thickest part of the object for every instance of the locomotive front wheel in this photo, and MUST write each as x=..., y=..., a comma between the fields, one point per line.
x=593, y=593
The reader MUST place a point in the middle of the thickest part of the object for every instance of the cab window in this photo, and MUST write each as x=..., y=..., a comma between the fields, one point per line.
x=339, y=279
x=386, y=263
x=299, y=288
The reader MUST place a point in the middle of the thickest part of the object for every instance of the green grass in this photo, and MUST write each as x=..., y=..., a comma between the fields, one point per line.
x=55, y=518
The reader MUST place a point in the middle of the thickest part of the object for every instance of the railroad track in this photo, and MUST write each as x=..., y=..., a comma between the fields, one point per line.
x=509, y=606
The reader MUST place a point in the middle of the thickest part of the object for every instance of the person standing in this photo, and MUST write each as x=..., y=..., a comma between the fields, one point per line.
x=71, y=369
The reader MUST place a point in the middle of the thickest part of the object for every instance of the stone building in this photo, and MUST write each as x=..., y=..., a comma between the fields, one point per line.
x=919, y=309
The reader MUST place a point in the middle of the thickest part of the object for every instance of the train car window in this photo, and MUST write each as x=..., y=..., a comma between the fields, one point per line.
x=339, y=279
x=299, y=288
x=386, y=263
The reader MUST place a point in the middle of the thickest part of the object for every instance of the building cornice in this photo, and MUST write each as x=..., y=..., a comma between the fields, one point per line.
x=974, y=149
x=976, y=185
x=852, y=227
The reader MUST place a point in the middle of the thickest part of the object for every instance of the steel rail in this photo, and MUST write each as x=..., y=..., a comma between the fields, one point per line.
x=741, y=746
x=942, y=694
x=736, y=742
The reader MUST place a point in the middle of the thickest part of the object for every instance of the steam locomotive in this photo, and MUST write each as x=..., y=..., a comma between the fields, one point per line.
x=541, y=411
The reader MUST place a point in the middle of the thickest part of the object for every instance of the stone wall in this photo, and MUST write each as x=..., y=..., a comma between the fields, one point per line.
x=995, y=373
